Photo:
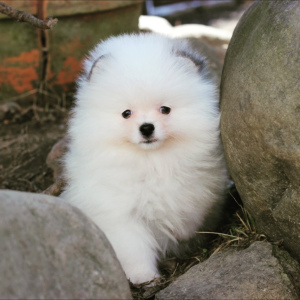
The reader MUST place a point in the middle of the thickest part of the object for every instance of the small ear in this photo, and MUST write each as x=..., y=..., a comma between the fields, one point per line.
x=95, y=66
x=197, y=60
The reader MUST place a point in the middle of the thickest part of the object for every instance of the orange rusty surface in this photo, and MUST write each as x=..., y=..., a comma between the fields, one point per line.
x=25, y=58
x=71, y=65
x=71, y=47
x=69, y=72
x=19, y=72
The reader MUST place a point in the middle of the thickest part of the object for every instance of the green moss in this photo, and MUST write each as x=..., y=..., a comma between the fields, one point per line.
x=16, y=37
x=86, y=31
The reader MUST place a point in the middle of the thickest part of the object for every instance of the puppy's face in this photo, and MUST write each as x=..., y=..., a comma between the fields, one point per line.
x=146, y=128
x=145, y=104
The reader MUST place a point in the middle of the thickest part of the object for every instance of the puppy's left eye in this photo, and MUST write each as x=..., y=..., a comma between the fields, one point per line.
x=165, y=110
x=126, y=114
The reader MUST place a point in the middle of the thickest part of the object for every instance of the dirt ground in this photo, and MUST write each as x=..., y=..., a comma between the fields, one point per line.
x=27, y=134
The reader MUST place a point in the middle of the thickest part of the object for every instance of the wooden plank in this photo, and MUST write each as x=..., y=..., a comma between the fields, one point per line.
x=77, y=35
x=56, y=8
x=23, y=49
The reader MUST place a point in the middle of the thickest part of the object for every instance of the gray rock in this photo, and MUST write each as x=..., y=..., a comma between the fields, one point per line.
x=260, y=122
x=290, y=266
x=253, y=273
x=50, y=250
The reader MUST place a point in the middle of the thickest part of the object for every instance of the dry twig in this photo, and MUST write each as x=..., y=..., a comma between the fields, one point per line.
x=23, y=16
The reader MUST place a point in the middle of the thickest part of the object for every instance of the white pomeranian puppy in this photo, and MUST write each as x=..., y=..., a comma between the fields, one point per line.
x=145, y=160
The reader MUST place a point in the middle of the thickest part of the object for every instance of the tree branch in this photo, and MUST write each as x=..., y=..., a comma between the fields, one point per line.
x=23, y=16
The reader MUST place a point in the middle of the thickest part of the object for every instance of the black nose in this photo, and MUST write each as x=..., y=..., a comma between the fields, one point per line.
x=147, y=129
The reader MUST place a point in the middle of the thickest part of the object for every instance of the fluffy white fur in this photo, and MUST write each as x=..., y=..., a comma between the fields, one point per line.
x=145, y=193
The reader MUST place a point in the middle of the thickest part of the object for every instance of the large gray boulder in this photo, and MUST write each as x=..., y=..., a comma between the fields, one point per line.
x=253, y=273
x=50, y=250
x=260, y=122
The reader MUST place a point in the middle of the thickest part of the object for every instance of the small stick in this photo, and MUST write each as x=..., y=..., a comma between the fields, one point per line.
x=23, y=16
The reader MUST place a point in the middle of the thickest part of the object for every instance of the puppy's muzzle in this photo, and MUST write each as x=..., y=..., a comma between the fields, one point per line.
x=147, y=129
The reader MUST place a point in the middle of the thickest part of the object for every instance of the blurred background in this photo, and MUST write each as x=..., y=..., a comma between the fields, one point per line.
x=39, y=68
x=33, y=59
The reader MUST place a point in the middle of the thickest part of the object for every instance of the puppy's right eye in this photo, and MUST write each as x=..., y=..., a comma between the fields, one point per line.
x=165, y=110
x=126, y=114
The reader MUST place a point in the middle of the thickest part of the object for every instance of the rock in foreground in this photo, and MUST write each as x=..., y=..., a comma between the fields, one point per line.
x=253, y=273
x=50, y=250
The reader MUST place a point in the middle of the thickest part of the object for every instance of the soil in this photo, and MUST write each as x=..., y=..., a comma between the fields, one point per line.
x=26, y=137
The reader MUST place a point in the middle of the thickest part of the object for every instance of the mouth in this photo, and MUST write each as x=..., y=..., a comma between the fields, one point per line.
x=150, y=141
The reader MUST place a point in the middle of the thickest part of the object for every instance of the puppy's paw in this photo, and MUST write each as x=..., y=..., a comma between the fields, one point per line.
x=140, y=275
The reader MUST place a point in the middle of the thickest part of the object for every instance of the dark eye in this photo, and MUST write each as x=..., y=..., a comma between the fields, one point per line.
x=126, y=114
x=165, y=110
